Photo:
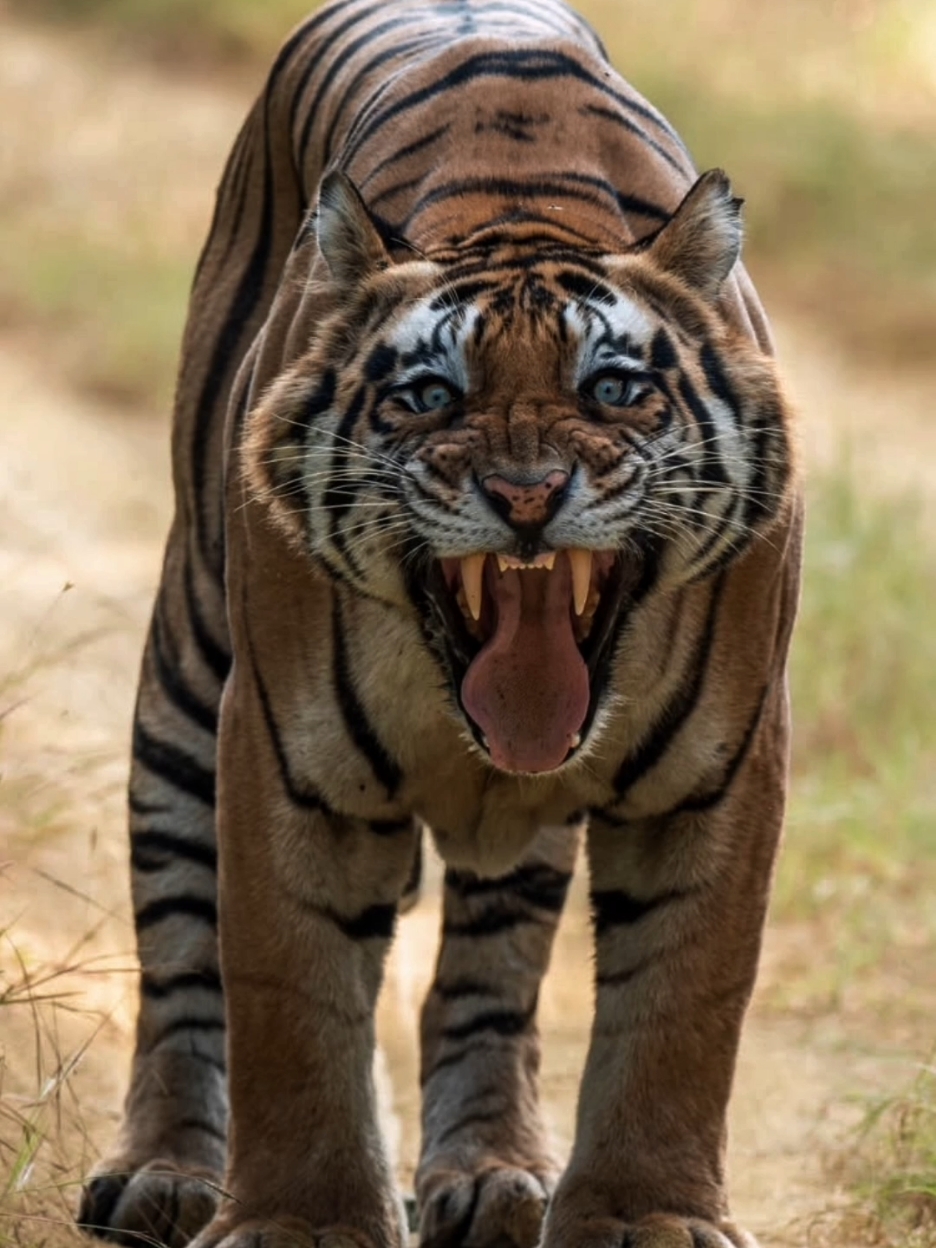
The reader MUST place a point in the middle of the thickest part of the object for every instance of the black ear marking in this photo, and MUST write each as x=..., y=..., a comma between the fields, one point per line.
x=701, y=242
x=348, y=237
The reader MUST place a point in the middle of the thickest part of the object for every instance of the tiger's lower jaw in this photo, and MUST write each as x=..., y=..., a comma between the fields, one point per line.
x=528, y=647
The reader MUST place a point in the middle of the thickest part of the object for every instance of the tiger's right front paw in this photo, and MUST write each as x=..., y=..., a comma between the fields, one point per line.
x=159, y=1202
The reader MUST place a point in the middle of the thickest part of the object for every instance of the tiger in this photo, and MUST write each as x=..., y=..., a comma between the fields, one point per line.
x=488, y=522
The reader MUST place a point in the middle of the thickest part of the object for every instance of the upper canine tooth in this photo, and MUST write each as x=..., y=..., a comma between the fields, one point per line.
x=472, y=574
x=581, y=561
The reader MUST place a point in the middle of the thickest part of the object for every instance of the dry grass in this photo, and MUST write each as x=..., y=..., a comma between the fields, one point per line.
x=889, y=1171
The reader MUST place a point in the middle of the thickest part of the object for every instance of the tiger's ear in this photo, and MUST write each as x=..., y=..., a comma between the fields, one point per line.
x=701, y=242
x=347, y=236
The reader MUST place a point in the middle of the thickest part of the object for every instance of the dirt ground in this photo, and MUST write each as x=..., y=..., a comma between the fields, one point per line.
x=84, y=504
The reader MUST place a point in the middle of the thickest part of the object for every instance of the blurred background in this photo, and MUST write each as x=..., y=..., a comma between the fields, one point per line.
x=115, y=119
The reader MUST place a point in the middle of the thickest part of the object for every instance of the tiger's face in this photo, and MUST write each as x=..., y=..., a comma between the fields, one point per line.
x=519, y=444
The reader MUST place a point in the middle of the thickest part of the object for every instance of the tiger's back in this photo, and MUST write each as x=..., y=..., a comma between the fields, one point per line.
x=486, y=517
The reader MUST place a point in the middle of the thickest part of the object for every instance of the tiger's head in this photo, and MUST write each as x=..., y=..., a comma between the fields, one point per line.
x=518, y=439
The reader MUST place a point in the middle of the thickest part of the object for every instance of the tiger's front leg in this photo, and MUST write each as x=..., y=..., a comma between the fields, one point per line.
x=486, y=1170
x=308, y=903
x=678, y=908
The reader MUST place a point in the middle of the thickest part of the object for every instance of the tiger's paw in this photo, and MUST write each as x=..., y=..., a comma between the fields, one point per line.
x=287, y=1232
x=500, y=1207
x=658, y=1230
x=159, y=1202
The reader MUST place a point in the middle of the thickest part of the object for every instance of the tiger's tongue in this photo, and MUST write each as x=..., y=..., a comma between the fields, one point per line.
x=528, y=688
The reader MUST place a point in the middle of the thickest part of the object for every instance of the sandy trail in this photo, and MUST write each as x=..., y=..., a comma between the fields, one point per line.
x=84, y=503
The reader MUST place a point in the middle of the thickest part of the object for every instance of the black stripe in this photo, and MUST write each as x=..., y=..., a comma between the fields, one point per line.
x=226, y=355
x=339, y=495
x=239, y=190
x=359, y=727
x=663, y=355
x=217, y=657
x=140, y=807
x=300, y=793
x=390, y=827
x=679, y=708
x=396, y=52
x=173, y=765
x=491, y=923
x=705, y=801
x=578, y=186
x=586, y=289
x=397, y=188
x=536, y=883
x=312, y=110
x=319, y=402
x=159, y=989
x=219, y=1064
x=466, y=987
x=168, y=907
x=717, y=380
x=768, y=426
x=615, y=908
x=478, y=1118
x=451, y=1059
x=608, y=114
x=170, y=845
x=712, y=468
x=169, y=675
x=481, y=265
x=620, y=979
x=190, y=1022
x=501, y=1022
x=712, y=541
x=460, y=290
x=380, y=363
x=409, y=150
x=376, y=922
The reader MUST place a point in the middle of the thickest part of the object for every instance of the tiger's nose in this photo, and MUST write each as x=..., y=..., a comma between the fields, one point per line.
x=525, y=504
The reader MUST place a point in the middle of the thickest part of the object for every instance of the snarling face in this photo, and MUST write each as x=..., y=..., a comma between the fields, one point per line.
x=517, y=443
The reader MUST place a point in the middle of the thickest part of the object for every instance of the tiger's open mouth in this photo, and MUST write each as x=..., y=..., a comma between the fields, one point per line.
x=529, y=644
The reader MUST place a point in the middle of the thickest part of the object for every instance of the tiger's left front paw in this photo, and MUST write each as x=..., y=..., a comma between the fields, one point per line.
x=286, y=1232
x=657, y=1230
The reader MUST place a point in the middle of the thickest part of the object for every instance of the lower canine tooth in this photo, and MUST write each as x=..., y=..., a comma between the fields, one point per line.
x=576, y=741
x=472, y=574
x=581, y=561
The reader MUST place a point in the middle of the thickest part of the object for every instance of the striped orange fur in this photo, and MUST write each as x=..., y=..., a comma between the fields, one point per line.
x=486, y=519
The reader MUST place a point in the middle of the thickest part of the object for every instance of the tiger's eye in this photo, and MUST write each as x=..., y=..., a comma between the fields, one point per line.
x=611, y=391
x=435, y=396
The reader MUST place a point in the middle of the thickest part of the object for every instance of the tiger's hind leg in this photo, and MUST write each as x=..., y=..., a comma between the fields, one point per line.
x=161, y=1179
x=486, y=1171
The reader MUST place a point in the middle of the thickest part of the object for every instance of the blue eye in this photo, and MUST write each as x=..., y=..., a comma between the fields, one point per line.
x=612, y=390
x=435, y=396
